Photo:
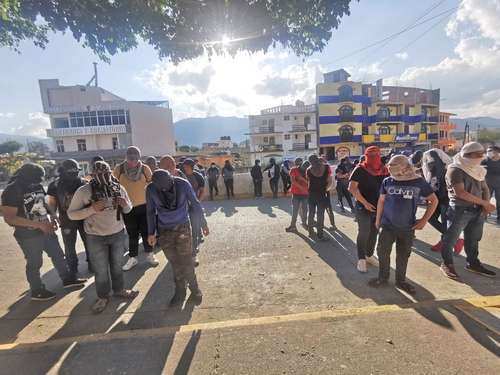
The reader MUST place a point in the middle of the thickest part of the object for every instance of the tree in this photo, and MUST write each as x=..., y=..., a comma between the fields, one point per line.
x=38, y=147
x=488, y=136
x=194, y=148
x=184, y=148
x=10, y=147
x=178, y=30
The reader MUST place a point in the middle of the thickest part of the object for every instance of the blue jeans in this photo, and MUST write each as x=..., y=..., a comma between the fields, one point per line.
x=470, y=221
x=299, y=204
x=33, y=248
x=106, y=255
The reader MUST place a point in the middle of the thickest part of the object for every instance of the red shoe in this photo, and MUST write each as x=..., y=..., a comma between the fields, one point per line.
x=459, y=246
x=437, y=247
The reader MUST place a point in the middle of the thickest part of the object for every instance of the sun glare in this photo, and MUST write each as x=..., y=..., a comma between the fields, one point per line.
x=225, y=40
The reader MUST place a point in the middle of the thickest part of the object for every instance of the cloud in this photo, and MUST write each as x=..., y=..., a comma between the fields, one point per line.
x=237, y=86
x=33, y=124
x=7, y=114
x=468, y=79
x=197, y=80
x=401, y=55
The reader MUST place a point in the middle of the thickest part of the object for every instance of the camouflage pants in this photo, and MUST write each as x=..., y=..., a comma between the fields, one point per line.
x=177, y=246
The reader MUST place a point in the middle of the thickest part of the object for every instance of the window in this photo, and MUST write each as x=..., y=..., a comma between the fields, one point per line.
x=60, y=123
x=407, y=129
x=115, y=143
x=295, y=117
x=425, y=114
x=384, y=130
x=366, y=129
x=346, y=113
x=307, y=121
x=271, y=141
x=423, y=128
x=346, y=133
x=287, y=137
x=264, y=122
x=59, y=145
x=345, y=92
x=286, y=118
x=266, y=140
x=101, y=118
x=296, y=136
x=383, y=114
x=441, y=134
x=271, y=122
x=81, y=144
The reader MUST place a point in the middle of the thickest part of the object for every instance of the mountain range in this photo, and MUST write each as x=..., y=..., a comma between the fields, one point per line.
x=195, y=131
x=484, y=122
x=24, y=139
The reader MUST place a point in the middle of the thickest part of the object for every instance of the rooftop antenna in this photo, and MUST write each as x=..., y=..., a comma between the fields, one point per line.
x=94, y=77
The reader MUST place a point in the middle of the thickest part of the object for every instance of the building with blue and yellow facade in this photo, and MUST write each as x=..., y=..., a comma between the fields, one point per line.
x=354, y=115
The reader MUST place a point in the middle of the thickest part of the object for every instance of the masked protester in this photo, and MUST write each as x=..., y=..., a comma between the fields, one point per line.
x=97, y=204
x=469, y=205
x=228, y=176
x=24, y=208
x=169, y=200
x=152, y=163
x=492, y=165
x=285, y=176
x=257, y=177
x=300, y=194
x=364, y=185
x=273, y=172
x=213, y=174
x=134, y=177
x=59, y=195
x=320, y=181
x=396, y=216
x=342, y=173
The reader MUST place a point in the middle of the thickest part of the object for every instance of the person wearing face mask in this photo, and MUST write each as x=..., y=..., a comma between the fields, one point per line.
x=300, y=193
x=100, y=205
x=469, y=205
x=364, y=185
x=134, y=176
x=273, y=172
x=59, y=195
x=171, y=202
x=25, y=209
x=492, y=165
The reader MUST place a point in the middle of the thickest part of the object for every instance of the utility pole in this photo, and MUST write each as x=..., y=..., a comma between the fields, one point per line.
x=466, y=133
x=94, y=77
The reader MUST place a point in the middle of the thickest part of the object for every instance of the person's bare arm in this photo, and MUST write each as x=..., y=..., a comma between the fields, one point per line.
x=354, y=190
x=433, y=202
x=11, y=218
x=52, y=204
x=380, y=210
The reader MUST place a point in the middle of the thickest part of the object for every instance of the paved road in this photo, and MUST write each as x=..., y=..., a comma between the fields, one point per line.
x=275, y=303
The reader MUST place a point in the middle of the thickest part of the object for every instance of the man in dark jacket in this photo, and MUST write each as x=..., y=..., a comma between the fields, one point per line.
x=59, y=195
x=213, y=174
x=257, y=178
x=273, y=172
x=169, y=200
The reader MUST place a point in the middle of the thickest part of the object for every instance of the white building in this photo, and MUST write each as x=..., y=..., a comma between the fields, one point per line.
x=224, y=143
x=86, y=121
x=283, y=132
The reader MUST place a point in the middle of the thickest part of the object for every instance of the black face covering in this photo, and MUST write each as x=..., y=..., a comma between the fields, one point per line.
x=29, y=175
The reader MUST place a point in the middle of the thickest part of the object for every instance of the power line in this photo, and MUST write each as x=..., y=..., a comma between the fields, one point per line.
x=392, y=36
x=425, y=13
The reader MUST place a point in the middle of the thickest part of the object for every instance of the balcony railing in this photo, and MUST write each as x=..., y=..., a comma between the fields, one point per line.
x=88, y=130
x=299, y=128
x=268, y=148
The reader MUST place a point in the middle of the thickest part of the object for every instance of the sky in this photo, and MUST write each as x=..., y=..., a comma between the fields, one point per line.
x=457, y=51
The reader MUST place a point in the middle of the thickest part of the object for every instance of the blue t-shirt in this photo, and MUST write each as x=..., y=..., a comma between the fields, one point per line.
x=401, y=198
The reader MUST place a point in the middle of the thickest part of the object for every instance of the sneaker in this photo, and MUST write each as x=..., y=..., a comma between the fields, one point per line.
x=74, y=283
x=372, y=260
x=151, y=259
x=291, y=229
x=196, y=296
x=131, y=263
x=100, y=305
x=361, y=265
x=449, y=271
x=407, y=287
x=42, y=295
x=459, y=246
x=196, y=262
x=127, y=294
x=376, y=282
x=437, y=247
x=480, y=270
x=178, y=298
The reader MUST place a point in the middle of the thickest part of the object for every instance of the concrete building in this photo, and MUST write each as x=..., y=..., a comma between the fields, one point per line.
x=86, y=121
x=446, y=140
x=224, y=143
x=354, y=115
x=283, y=132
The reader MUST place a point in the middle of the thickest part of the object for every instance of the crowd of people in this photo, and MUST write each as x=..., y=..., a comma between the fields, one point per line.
x=111, y=210
x=159, y=202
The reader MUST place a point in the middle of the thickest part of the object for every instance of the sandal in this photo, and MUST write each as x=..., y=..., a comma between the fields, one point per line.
x=100, y=305
x=127, y=294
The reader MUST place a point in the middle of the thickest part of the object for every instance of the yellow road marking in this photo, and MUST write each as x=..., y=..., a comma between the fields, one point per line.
x=475, y=302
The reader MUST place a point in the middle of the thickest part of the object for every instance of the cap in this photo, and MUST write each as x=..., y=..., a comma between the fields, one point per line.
x=70, y=164
x=188, y=162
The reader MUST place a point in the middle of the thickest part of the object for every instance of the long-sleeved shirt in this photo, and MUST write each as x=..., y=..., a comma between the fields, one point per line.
x=103, y=223
x=161, y=218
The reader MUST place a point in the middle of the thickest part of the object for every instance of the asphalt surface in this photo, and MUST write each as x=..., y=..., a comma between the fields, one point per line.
x=274, y=303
